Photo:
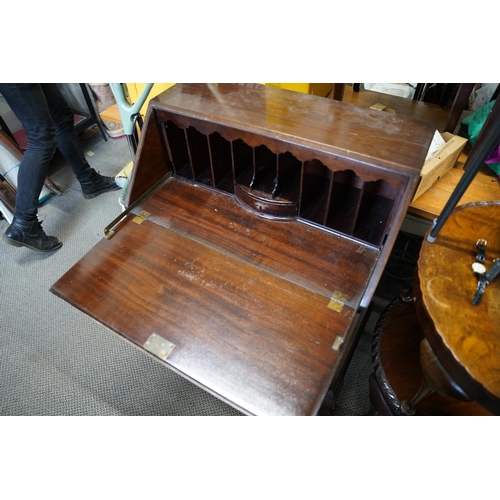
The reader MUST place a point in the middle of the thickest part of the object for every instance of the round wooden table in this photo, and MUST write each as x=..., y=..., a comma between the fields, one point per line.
x=397, y=374
x=464, y=338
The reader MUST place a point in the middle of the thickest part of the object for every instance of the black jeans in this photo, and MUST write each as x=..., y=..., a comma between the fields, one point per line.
x=49, y=124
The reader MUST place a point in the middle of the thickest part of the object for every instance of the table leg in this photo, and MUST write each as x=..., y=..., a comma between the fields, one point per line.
x=435, y=379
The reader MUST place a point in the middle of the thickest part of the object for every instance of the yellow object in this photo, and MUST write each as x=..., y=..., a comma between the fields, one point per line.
x=321, y=89
x=134, y=91
x=124, y=174
x=383, y=107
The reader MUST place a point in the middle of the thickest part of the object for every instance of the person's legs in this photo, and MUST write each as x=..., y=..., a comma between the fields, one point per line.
x=67, y=140
x=28, y=103
x=69, y=145
x=49, y=123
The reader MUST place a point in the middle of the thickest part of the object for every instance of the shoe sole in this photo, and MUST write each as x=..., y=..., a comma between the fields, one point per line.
x=16, y=243
x=89, y=196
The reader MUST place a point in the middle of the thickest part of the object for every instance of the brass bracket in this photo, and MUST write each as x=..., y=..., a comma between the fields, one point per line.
x=337, y=343
x=159, y=346
x=337, y=301
x=141, y=217
x=109, y=229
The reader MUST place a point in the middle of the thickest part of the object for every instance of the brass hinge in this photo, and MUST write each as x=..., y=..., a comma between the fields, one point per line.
x=337, y=301
x=139, y=219
x=109, y=229
x=159, y=346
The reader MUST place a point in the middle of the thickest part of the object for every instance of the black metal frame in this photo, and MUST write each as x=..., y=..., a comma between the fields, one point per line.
x=487, y=141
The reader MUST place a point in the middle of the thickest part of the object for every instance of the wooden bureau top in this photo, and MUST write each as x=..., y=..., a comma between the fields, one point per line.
x=381, y=139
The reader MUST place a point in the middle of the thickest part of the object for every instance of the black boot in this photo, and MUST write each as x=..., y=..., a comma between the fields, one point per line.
x=95, y=184
x=30, y=234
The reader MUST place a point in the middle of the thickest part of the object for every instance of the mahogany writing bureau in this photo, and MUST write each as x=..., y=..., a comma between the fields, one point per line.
x=258, y=223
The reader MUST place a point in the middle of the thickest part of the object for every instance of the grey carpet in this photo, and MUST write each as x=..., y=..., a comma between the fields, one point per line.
x=54, y=360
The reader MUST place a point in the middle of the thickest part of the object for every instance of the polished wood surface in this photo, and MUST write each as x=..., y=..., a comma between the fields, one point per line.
x=398, y=372
x=247, y=308
x=223, y=224
x=202, y=127
x=263, y=221
x=291, y=121
x=464, y=337
x=425, y=111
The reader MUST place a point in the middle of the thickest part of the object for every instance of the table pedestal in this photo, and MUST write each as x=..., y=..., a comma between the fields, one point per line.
x=398, y=375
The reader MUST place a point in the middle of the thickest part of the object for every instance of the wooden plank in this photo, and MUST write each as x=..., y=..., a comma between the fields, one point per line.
x=111, y=114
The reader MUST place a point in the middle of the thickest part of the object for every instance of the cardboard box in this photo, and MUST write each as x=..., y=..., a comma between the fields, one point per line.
x=436, y=166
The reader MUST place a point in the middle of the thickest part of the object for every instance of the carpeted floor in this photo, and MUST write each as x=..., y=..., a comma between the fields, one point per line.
x=54, y=360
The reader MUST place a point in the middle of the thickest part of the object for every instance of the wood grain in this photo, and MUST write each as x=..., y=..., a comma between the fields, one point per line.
x=376, y=146
x=255, y=339
x=425, y=111
x=154, y=161
x=447, y=285
x=307, y=124
x=284, y=248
